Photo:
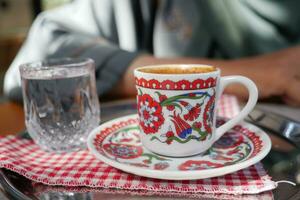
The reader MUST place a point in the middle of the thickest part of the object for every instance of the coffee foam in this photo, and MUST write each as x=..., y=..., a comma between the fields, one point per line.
x=177, y=69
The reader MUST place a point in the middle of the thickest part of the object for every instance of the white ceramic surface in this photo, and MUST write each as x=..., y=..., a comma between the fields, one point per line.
x=118, y=144
x=182, y=108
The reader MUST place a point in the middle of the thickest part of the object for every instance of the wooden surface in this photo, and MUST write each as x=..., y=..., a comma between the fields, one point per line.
x=11, y=118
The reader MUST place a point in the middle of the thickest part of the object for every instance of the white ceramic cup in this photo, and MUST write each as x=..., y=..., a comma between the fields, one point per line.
x=177, y=112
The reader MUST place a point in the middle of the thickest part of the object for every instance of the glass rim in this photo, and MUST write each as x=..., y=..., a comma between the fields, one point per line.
x=46, y=69
x=56, y=63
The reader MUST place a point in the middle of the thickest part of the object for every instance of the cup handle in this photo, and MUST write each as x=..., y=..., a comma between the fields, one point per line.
x=253, y=95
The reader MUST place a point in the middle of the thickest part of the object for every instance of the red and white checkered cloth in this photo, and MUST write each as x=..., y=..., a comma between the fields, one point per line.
x=83, y=169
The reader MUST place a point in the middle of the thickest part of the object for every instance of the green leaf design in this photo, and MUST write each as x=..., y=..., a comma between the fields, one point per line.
x=191, y=137
x=182, y=141
x=171, y=100
x=153, y=156
x=156, y=138
x=158, y=93
x=130, y=128
x=202, y=134
x=247, y=148
x=140, y=91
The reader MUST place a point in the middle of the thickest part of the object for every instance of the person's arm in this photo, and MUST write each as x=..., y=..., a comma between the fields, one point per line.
x=74, y=30
x=276, y=74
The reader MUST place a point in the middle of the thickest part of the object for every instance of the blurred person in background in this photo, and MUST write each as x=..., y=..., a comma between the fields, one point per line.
x=258, y=39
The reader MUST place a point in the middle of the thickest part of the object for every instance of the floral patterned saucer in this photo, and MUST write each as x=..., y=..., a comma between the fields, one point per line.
x=117, y=143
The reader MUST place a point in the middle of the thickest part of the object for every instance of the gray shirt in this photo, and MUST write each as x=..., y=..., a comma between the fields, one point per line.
x=114, y=32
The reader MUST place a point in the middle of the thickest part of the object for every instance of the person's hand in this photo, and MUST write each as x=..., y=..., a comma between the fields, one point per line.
x=288, y=72
x=276, y=74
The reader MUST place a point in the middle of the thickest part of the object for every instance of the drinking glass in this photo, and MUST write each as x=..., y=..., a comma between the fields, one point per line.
x=60, y=102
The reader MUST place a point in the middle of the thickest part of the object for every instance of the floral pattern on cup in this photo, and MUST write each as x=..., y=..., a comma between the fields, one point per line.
x=150, y=113
x=185, y=116
x=176, y=85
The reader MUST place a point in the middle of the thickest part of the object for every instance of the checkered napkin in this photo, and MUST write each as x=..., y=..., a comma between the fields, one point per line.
x=83, y=169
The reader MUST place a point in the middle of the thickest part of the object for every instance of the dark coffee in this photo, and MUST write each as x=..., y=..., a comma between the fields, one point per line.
x=178, y=69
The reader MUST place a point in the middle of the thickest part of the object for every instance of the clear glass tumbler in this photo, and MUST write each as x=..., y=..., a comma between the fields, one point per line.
x=60, y=102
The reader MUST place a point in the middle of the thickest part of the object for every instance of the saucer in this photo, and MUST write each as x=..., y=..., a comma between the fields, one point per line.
x=117, y=143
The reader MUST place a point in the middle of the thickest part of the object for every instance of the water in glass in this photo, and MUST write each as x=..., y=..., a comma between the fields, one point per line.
x=61, y=106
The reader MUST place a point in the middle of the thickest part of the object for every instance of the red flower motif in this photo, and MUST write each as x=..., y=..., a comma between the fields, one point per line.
x=150, y=114
x=197, y=125
x=193, y=113
x=198, y=165
x=168, y=141
x=170, y=107
x=146, y=161
x=183, y=129
x=208, y=114
x=184, y=103
x=162, y=98
x=169, y=134
x=161, y=165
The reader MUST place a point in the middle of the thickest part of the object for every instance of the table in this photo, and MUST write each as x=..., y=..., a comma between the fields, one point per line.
x=282, y=163
x=11, y=118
